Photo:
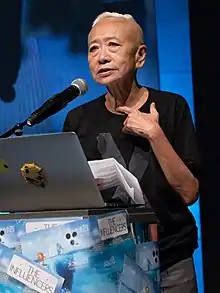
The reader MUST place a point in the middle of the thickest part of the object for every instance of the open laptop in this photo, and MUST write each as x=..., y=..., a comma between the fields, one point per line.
x=46, y=172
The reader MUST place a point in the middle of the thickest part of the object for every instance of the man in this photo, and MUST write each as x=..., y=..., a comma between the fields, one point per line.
x=148, y=131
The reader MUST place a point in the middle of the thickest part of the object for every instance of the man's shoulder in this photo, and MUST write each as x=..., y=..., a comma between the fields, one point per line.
x=168, y=103
x=163, y=96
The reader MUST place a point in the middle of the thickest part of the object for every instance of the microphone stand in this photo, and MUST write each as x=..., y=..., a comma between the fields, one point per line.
x=17, y=130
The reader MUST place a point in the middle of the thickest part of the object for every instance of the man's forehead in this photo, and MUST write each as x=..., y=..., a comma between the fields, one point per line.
x=112, y=29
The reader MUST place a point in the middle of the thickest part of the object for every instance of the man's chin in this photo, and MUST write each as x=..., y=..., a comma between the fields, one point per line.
x=106, y=80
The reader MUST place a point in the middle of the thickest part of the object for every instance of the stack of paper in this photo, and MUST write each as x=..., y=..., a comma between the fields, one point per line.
x=111, y=173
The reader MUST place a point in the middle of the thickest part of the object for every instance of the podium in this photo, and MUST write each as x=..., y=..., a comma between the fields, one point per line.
x=142, y=214
x=136, y=214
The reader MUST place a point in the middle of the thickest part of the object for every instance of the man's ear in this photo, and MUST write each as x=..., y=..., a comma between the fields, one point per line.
x=141, y=56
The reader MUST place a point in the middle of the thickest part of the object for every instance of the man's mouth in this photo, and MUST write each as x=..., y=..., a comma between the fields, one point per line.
x=104, y=70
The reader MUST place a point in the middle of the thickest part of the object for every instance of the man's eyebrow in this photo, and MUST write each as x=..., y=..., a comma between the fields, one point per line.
x=96, y=40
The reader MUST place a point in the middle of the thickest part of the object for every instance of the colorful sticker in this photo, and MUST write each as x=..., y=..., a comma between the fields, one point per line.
x=3, y=166
x=34, y=174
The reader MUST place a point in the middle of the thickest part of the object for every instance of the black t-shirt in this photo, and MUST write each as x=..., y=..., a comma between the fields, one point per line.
x=100, y=135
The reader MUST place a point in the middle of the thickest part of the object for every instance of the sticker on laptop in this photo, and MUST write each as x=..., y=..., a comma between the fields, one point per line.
x=3, y=166
x=34, y=174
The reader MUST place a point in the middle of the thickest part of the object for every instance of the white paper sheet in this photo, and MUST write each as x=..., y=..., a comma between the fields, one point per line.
x=111, y=174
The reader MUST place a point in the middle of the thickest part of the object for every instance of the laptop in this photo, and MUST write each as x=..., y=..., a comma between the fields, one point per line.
x=46, y=172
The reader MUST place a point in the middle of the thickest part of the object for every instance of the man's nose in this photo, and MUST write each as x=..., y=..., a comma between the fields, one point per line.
x=103, y=56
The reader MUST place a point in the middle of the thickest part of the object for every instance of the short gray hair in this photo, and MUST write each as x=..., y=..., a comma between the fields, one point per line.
x=105, y=15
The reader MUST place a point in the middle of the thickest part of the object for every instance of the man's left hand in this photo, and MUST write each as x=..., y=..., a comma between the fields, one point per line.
x=139, y=123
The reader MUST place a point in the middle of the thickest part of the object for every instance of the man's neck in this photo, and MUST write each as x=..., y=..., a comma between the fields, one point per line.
x=133, y=97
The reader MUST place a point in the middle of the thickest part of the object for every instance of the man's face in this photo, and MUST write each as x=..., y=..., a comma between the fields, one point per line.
x=112, y=51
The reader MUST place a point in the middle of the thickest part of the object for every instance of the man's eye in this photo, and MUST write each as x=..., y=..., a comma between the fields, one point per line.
x=113, y=44
x=93, y=48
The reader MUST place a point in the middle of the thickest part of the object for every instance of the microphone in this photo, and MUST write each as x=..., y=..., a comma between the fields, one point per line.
x=59, y=101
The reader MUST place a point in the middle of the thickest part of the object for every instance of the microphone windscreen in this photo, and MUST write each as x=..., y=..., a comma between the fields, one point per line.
x=81, y=84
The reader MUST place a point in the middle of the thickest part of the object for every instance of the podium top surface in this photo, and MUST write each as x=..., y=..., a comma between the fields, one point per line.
x=136, y=214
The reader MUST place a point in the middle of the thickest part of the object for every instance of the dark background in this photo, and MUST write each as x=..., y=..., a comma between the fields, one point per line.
x=204, y=27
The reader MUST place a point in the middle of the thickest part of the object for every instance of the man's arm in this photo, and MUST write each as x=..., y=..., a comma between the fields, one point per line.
x=176, y=172
x=175, y=169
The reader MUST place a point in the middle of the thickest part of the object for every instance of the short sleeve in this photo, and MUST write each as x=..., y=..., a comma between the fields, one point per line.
x=184, y=140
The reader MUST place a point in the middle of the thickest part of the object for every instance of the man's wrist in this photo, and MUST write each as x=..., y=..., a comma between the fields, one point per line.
x=155, y=134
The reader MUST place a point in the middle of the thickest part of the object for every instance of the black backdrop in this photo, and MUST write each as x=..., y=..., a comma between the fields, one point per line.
x=204, y=23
